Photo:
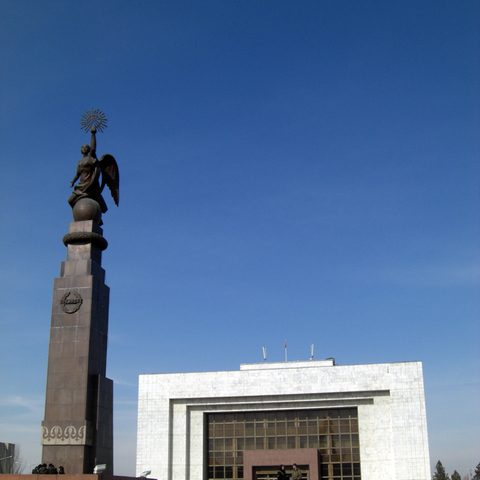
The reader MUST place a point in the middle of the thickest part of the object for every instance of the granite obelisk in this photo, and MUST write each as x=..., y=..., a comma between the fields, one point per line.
x=77, y=431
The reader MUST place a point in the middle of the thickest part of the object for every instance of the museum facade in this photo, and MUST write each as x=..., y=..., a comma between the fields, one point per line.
x=335, y=422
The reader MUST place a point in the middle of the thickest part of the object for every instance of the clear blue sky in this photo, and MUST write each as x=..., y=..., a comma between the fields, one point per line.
x=302, y=170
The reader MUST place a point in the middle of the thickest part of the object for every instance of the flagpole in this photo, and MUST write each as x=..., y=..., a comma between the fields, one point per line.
x=285, y=350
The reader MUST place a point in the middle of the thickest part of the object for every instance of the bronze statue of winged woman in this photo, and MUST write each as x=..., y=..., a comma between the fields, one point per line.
x=86, y=199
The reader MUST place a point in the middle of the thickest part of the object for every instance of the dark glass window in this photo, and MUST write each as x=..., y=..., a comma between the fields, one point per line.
x=334, y=432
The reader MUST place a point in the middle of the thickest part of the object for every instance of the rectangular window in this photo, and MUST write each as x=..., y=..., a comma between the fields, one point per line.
x=312, y=441
x=354, y=425
x=281, y=443
x=271, y=443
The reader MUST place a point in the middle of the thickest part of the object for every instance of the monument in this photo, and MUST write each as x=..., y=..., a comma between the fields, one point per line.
x=77, y=431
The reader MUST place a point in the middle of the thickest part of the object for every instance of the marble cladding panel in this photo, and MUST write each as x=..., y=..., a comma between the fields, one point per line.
x=75, y=270
x=68, y=282
x=86, y=251
x=179, y=439
x=196, y=441
x=84, y=226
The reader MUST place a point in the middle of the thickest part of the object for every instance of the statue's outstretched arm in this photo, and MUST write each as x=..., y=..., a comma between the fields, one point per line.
x=93, y=142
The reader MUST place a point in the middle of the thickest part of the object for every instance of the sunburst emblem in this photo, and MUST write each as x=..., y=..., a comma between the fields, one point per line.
x=93, y=118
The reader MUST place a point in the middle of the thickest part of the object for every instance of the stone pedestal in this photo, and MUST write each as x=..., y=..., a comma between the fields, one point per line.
x=77, y=431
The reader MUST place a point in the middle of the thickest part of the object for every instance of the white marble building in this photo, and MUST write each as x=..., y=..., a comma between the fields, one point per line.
x=360, y=421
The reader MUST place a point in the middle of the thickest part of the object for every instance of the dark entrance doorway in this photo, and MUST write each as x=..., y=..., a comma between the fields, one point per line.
x=269, y=472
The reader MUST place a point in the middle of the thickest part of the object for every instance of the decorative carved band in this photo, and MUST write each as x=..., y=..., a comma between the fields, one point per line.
x=85, y=237
x=73, y=304
x=68, y=435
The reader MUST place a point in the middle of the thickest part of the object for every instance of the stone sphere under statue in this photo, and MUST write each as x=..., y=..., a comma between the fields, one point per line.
x=87, y=209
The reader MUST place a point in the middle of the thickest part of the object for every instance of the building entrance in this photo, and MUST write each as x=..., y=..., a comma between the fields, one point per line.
x=270, y=472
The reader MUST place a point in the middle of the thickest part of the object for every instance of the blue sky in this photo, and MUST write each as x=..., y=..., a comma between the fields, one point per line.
x=305, y=171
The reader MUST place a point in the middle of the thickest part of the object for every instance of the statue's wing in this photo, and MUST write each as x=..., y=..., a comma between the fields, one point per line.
x=110, y=176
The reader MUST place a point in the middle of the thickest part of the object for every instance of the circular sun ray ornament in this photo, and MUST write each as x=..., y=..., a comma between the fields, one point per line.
x=93, y=118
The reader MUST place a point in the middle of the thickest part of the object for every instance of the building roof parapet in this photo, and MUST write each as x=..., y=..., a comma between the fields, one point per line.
x=330, y=362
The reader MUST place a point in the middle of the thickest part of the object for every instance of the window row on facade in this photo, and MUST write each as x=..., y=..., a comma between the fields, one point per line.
x=333, y=432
